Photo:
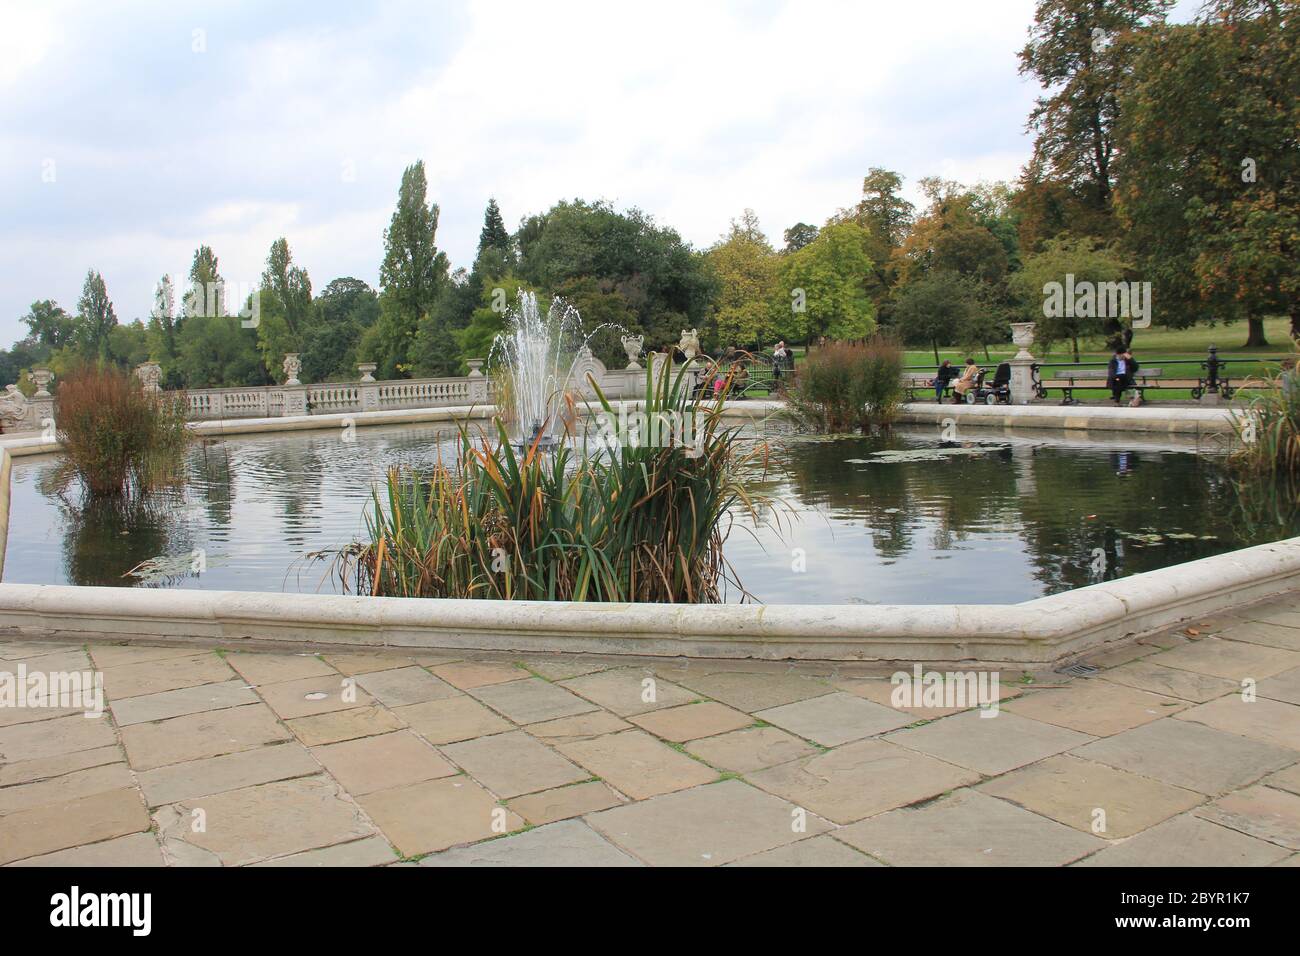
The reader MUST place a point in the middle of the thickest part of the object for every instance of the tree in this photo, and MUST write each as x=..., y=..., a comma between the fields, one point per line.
x=95, y=318
x=942, y=308
x=494, y=234
x=49, y=324
x=206, y=295
x=885, y=213
x=747, y=268
x=1076, y=51
x=411, y=276
x=1048, y=272
x=290, y=284
x=798, y=236
x=828, y=276
x=1209, y=176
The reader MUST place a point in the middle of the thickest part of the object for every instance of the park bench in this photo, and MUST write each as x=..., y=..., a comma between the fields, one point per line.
x=1068, y=381
x=925, y=383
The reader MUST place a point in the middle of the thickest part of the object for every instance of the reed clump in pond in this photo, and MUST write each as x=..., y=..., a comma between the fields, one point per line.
x=1268, y=429
x=117, y=438
x=611, y=516
x=848, y=386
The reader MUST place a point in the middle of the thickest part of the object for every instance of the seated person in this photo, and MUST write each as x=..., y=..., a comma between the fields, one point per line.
x=969, y=377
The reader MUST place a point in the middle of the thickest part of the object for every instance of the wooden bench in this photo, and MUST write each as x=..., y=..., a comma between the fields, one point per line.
x=1084, y=378
x=913, y=381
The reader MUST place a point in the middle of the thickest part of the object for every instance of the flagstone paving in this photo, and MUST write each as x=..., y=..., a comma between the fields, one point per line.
x=1183, y=750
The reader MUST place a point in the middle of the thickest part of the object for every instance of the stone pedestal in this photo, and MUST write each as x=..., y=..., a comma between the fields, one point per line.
x=295, y=400
x=1022, y=365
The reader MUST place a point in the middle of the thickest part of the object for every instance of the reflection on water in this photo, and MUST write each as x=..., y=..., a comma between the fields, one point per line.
x=906, y=519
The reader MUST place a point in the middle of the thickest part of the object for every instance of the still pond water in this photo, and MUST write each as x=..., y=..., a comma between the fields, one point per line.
x=906, y=519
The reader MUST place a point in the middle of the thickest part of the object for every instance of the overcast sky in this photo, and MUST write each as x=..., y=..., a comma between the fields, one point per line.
x=132, y=132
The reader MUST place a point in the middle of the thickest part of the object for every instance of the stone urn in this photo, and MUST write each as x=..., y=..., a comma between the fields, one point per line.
x=367, y=370
x=150, y=375
x=475, y=367
x=42, y=377
x=292, y=369
x=1022, y=335
x=632, y=346
x=690, y=343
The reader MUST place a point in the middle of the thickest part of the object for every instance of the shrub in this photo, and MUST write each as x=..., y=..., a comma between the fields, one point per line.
x=119, y=440
x=845, y=386
x=625, y=523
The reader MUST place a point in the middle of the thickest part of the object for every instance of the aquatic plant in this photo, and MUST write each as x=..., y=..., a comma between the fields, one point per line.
x=119, y=439
x=847, y=386
x=620, y=515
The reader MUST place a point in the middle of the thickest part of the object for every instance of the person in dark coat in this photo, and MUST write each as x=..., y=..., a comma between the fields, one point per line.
x=942, y=377
x=1120, y=374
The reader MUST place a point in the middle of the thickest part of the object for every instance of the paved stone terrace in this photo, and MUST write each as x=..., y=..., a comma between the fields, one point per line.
x=214, y=758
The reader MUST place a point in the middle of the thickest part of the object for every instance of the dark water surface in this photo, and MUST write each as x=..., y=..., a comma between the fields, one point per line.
x=906, y=519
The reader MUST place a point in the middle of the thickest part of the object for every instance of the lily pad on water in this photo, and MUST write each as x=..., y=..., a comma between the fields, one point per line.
x=165, y=566
x=923, y=454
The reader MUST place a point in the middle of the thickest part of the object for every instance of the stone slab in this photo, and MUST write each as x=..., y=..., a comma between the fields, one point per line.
x=635, y=763
x=820, y=851
x=199, y=778
x=704, y=826
x=451, y=720
x=400, y=686
x=532, y=701
x=1099, y=708
x=1187, y=840
x=337, y=725
x=752, y=692
x=564, y=802
x=58, y=826
x=1072, y=791
x=179, y=703
x=313, y=695
x=569, y=843
x=754, y=748
x=154, y=677
x=134, y=850
x=81, y=783
x=371, y=851
x=1268, y=721
x=692, y=721
x=1260, y=812
x=256, y=823
x=1189, y=755
x=860, y=779
x=1170, y=681
x=597, y=723
x=629, y=691
x=258, y=669
x=968, y=828
x=382, y=763
x=54, y=737
x=989, y=745
x=437, y=814
x=837, y=718
x=201, y=735
x=1231, y=660
x=512, y=764
x=469, y=674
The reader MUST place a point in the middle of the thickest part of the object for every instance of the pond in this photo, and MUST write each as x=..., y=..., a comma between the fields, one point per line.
x=905, y=519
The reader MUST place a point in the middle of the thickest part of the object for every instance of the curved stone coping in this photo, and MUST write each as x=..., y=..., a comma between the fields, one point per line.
x=1039, y=632
x=1171, y=419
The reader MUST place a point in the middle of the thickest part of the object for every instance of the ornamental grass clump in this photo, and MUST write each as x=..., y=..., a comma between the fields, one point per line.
x=1269, y=430
x=610, y=516
x=845, y=387
x=118, y=439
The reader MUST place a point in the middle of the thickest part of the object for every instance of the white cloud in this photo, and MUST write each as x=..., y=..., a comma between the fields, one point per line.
x=692, y=111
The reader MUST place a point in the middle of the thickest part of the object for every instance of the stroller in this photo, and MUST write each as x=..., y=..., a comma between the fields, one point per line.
x=997, y=393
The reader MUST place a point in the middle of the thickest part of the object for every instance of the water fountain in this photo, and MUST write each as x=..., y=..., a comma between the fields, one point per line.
x=539, y=356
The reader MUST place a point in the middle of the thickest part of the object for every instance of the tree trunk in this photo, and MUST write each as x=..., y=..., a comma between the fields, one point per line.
x=935, y=345
x=1255, y=338
x=1075, y=342
x=1295, y=323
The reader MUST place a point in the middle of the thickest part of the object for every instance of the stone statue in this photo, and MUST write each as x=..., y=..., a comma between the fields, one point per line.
x=632, y=345
x=292, y=368
x=13, y=408
x=690, y=343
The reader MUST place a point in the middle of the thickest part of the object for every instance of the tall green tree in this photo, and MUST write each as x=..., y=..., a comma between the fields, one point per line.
x=411, y=276
x=95, y=318
x=494, y=234
x=798, y=236
x=206, y=294
x=49, y=324
x=1209, y=176
x=1076, y=51
x=828, y=278
x=747, y=311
